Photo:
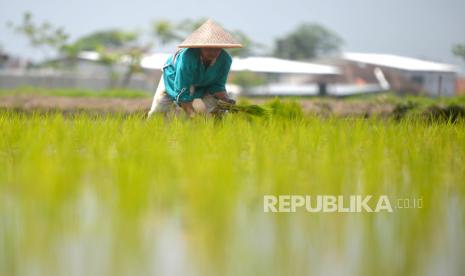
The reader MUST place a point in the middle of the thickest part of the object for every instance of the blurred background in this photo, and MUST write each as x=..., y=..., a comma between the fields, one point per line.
x=292, y=48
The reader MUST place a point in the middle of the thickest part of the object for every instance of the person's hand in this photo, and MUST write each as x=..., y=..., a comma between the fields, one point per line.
x=189, y=109
x=230, y=101
x=224, y=97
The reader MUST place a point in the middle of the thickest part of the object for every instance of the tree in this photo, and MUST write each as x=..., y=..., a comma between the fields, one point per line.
x=249, y=46
x=115, y=46
x=44, y=36
x=3, y=56
x=134, y=57
x=110, y=39
x=307, y=41
x=247, y=79
x=166, y=32
x=187, y=26
x=459, y=50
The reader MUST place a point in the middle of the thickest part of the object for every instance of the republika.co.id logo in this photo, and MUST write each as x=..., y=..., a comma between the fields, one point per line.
x=338, y=204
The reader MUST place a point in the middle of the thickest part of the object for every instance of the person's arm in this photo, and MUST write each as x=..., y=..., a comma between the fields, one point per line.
x=218, y=88
x=184, y=80
x=188, y=108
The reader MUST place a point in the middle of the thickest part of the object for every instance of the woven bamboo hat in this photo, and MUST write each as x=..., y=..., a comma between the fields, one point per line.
x=210, y=35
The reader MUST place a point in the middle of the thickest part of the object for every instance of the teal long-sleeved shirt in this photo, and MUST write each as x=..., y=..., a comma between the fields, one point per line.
x=187, y=78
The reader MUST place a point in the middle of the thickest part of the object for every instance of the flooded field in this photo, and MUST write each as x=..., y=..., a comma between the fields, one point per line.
x=121, y=195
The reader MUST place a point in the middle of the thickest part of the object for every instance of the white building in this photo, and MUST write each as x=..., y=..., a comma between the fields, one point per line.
x=406, y=74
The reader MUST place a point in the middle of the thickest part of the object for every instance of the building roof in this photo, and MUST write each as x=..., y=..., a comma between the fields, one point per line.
x=89, y=55
x=154, y=61
x=337, y=90
x=399, y=62
x=276, y=65
x=254, y=64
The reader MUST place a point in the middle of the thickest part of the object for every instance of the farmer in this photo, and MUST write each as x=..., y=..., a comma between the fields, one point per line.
x=199, y=69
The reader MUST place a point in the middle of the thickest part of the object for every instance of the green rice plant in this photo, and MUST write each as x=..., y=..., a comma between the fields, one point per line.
x=117, y=194
x=76, y=92
x=250, y=109
x=276, y=108
x=287, y=109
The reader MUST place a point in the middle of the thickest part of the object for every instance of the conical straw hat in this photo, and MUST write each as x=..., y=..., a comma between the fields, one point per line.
x=211, y=35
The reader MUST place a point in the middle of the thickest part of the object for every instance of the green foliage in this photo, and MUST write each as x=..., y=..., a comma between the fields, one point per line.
x=166, y=32
x=451, y=113
x=273, y=109
x=286, y=109
x=120, y=195
x=307, y=41
x=114, y=47
x=249, y=109
x=392, y=98
x=187, y=26
x=108, y=39
x=459, y=50
x=42, y=36
x=249, y=46
x=401, y=110
x=247, y=79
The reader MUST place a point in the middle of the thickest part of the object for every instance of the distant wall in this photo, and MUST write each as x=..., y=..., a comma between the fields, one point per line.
x=434, y=83
x=14, y=79
x=461, y=86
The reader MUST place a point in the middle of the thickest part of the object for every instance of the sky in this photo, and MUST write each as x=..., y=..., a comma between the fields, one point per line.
x=416, y=28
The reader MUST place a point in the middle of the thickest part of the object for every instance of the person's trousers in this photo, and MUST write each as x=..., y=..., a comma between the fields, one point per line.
x=163, y=103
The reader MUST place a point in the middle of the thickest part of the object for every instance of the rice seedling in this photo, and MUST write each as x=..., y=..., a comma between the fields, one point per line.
x=121, y=195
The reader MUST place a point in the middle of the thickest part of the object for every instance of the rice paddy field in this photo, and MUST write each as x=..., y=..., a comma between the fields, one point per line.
x=87, y=194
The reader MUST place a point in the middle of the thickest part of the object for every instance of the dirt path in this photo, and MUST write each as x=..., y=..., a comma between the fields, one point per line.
x=49, y=103
x=29, y=103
